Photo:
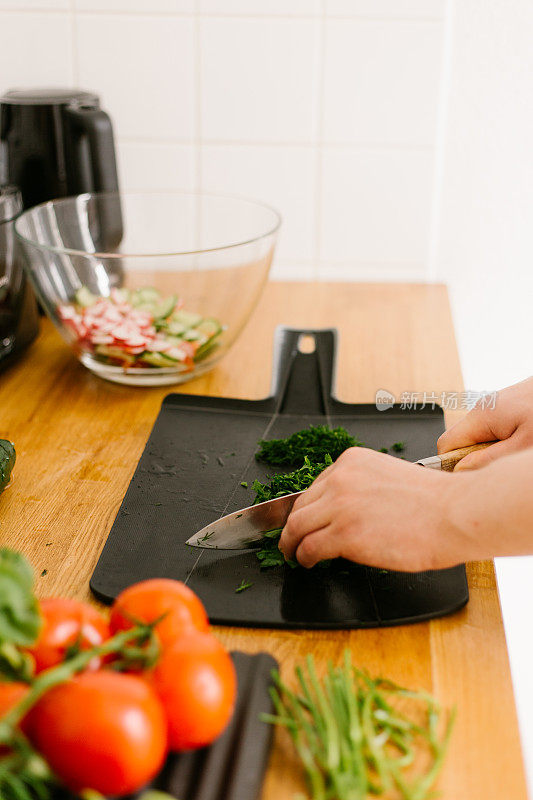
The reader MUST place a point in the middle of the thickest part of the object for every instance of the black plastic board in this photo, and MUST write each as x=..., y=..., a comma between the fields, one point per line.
x=199, y=452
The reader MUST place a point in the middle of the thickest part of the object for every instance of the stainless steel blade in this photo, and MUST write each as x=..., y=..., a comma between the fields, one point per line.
x=244, y=528
x=432, y=462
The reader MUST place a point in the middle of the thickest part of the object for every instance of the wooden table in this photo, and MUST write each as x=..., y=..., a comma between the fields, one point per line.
x=78, y=440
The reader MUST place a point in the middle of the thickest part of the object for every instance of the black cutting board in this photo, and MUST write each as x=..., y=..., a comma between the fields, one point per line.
x=233, y=767
x=199, y=452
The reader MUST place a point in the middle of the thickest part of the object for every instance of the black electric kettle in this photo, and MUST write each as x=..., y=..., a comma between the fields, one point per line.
x=59, y=142
x=53, y=143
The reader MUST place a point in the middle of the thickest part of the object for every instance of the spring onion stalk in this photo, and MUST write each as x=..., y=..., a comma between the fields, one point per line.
x=352, y=738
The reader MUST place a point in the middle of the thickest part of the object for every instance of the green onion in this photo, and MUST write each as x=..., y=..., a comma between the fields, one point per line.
x=353, y=740
x=243, y=585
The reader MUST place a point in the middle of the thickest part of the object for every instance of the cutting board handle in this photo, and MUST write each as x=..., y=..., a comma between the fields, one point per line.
x=302, y=377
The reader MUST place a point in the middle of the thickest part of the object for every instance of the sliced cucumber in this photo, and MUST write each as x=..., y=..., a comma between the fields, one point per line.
x=165, y=308
x=108, y=351
x=84, y=297
x=186, y=318
x=174, y=328
x=149, y=295
x=206, y=349
x=158, y=360
x=175, y=341
x=209, y=327
x=194, y=335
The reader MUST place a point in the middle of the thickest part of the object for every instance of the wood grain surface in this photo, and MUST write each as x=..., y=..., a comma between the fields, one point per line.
x=78, y=440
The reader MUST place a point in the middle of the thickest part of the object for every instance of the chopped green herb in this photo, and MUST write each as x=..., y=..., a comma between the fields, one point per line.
x=44, y=572
x=312, y=443
x=358, y=736
x=243, y=585
x=290, y=482
x=315, y=448
x=207, y=536
x=269, y=555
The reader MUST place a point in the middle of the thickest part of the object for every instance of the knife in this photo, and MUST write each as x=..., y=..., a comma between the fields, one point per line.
x=245, y=528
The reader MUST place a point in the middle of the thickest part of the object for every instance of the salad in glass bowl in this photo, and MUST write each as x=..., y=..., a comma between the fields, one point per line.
x=149, y=289
x=140, y=328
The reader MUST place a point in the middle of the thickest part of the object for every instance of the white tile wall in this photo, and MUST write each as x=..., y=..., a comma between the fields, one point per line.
x=391, y=9
x=258, y=79
x=375, y=204
x=143, y=69
x=381, y=81
x=157, y=166
x=35, y=48
x=325, y=109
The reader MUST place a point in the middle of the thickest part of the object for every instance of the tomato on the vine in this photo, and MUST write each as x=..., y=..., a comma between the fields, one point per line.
x=68, y=625
x=103, y=730
x=12, y=693
x=180, y=609
x=195, y=679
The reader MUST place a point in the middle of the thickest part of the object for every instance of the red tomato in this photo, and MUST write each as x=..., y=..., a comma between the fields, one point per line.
x=154, y=598
x=67, y=623
x=10, y=695
x=195, y=679
x=101, y=730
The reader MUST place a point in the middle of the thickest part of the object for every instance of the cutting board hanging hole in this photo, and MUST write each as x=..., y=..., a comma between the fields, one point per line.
x=306, y=343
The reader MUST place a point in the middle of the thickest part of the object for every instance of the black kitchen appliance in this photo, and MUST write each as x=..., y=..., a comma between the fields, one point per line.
x=53, y=143
x=57, y=143
x=19, y=321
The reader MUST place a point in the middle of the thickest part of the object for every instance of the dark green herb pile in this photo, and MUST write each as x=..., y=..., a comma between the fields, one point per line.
x=290, y=482
x=315, y=448
x=313, y=443
x=269, y=555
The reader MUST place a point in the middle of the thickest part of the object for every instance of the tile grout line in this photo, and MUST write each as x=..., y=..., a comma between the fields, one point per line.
x=444, y=92
x=226, y=16
x=319, y=140
x=353, y=146
x=74, y=44
x=198, y=143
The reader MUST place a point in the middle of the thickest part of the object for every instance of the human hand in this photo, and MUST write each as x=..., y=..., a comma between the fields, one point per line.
x=510, y=422
x=377, y=510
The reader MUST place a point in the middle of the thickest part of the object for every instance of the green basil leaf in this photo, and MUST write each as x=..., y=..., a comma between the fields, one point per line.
x=19, y=612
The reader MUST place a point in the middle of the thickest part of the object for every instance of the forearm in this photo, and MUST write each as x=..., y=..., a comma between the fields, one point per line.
x=491, y=509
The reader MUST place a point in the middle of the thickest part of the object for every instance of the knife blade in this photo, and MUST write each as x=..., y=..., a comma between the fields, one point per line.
x=245, y=528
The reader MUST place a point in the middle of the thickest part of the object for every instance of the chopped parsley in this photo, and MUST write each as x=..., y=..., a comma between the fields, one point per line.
x=313, y=443
x=270, y=555
x=290, y=482
x=398, y=447
x=314, y=448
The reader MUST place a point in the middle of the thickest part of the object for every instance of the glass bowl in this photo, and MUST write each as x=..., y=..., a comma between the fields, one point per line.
x=149, y=289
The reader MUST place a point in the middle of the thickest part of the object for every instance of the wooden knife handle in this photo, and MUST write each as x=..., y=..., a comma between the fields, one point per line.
x=449, y=460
